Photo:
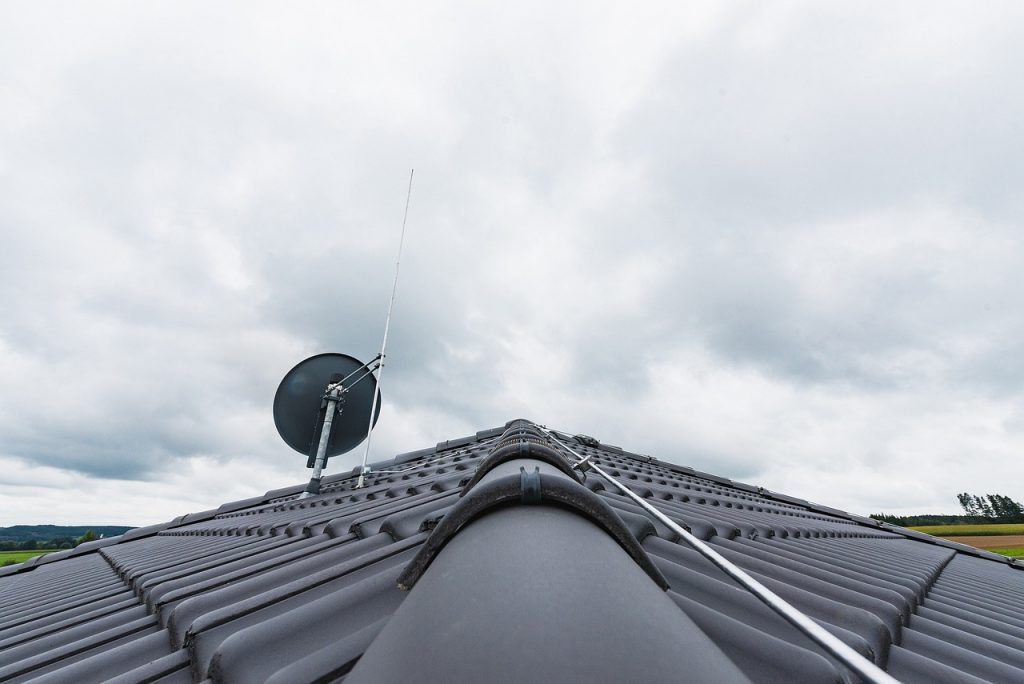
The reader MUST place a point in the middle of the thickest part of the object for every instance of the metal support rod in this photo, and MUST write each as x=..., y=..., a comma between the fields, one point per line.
x=369, y=365
x=384, y=342
x=334, y=394
x=866, y=669
x=372, y=366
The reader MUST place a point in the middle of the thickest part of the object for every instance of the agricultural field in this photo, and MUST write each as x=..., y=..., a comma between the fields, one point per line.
x=21, y=556
x=971, y=530
x=1006, y=539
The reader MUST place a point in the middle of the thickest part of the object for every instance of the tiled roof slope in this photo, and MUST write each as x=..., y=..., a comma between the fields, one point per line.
x=531, y=575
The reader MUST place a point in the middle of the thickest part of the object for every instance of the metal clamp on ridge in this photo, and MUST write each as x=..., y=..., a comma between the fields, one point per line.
x=521, y=433
x=583, y=466
x=527, y=488
x=519, y=450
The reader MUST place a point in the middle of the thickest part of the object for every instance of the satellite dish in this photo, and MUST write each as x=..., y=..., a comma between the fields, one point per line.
x=301, y=402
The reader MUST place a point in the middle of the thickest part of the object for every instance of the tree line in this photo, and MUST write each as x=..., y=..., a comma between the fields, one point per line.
x=994, y=507
x=978, y=510
x=55, y=543
x=35, y=537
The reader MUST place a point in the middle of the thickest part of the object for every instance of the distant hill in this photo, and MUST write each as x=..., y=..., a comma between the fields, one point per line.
x=39, y=533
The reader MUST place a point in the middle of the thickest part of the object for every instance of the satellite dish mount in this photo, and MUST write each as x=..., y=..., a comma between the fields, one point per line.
x=322, y=406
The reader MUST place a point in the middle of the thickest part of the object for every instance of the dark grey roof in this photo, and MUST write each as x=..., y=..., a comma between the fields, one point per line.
x=286, y=590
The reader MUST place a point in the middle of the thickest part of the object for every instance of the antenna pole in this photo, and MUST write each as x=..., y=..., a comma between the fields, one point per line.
x=384, y=342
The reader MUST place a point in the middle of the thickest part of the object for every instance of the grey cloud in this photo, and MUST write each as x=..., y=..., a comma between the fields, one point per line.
x=839, y=119
x=190, y=208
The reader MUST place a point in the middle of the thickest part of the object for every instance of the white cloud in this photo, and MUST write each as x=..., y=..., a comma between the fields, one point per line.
x=778, y=243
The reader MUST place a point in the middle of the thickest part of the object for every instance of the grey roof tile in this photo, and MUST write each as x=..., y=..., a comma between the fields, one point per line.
x=274, y=588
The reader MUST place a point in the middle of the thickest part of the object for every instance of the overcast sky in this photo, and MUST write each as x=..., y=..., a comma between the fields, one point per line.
x=777, y=242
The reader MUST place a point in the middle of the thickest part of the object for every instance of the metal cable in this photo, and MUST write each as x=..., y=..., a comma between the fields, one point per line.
x=866, y=669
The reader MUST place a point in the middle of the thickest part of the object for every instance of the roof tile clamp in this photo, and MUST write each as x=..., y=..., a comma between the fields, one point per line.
x=582, y=466
x=519, y=450
x=865, y=668
x=530, y=489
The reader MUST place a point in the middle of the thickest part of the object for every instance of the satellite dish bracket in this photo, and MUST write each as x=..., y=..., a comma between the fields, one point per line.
x=333, y=401
x=320, y=405
x=334, y=395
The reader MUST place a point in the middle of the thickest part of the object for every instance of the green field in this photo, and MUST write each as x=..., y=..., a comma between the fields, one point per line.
x=1012, y=553
x=21, y=556
x=971, y=530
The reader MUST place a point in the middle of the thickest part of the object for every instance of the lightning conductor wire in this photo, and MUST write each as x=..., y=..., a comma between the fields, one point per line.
x=863, y=667
x=384, y=342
